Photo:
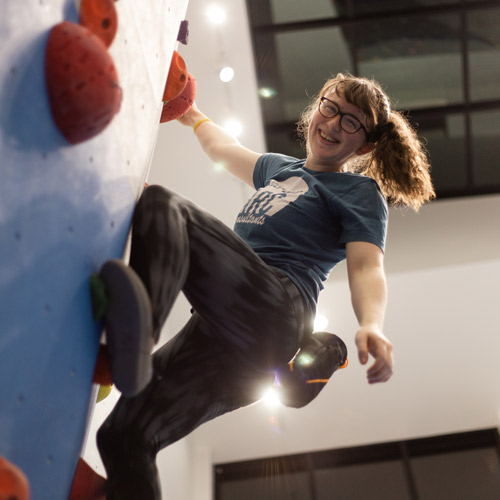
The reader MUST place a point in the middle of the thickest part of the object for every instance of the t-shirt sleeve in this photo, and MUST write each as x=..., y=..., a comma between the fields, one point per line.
x=364, y=215
x=268, y=165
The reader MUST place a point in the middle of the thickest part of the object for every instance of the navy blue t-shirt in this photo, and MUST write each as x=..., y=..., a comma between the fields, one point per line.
x=300, y=220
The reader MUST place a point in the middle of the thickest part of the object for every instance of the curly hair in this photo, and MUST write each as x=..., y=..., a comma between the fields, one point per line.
x=398, y=161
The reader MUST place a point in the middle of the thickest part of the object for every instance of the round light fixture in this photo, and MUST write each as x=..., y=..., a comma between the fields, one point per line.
x=267, y=92
x=226, y=74
x=233, y=127
x=216, y=14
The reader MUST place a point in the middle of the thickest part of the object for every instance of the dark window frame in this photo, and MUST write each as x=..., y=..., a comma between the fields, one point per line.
x=403, y=450
x=263, y=31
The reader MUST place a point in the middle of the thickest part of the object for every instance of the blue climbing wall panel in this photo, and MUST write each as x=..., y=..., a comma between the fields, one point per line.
x=64, y=211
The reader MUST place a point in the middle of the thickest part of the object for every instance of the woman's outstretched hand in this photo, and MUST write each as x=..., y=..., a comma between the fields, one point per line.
x=371, y=341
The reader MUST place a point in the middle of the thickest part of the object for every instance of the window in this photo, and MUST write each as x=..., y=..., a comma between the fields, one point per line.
x=387, y=478
x=461, y=475
x=439, y=60
x=464, y=466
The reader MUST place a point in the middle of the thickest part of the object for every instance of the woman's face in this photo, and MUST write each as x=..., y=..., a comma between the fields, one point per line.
x=329, y=146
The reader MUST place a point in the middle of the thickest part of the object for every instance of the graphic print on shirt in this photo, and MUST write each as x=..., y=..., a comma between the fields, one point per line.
x=272, y=198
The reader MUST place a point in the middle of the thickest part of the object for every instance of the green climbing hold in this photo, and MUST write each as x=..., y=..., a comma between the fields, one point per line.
x=99, y=295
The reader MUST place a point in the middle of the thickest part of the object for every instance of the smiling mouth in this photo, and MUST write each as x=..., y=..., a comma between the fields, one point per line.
x=327, y=137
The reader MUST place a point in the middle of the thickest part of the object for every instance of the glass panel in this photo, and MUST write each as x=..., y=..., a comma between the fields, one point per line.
x=417, y=59
x=284, y=11
x=285, y=142
x=486, y=148
x=369, y=6
x=287, y=11
x=271, y=487
x=304, y=61
x=483, y=29
x=381, y=480
x=446, y=148
x=459, y=476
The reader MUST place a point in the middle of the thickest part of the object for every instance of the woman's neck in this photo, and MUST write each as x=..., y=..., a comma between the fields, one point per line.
x=323, y=167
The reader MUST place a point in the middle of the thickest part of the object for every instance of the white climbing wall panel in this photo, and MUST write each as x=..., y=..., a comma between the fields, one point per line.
x=64, y=211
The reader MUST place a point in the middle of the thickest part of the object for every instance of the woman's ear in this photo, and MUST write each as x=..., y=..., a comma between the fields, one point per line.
x=365, y=149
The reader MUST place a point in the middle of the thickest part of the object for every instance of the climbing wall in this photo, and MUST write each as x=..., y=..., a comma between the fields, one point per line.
x=64, y=210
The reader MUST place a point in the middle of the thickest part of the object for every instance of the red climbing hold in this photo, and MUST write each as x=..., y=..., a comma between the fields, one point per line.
x=82, y=82
x=13, y=482
x=87, y=484
x=181, y=104
x=100, y=17
x=102, y=370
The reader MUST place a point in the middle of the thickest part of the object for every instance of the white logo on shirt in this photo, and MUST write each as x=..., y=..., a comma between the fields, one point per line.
x=272, y=198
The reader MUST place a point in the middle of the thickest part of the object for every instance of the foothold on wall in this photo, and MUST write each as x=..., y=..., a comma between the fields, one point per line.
x=99, y=296
x=100, y=17
x=177, y=78
x=82, y=82
x=102, y=370
x=87, y=483
x=13, y=482
x=183, y=35
x=104, y=392
x=181, y=104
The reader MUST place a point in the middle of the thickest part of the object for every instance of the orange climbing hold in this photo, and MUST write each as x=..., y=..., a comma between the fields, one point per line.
x=182, y=103
x=13, y=482
x=82, y=82
x=87, y=483
x=100, y=17
x=177, y=78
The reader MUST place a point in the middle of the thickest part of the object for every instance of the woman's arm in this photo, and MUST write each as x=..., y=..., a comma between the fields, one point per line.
x=221, y=147
x=366, y=274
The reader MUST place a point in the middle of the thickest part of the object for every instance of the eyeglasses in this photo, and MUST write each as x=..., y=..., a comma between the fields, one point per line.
x=348, y=123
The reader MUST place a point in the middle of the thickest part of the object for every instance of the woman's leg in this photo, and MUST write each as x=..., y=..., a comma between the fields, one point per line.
x=195, y=380
x=249, y=319
x=159, y=250
x=253, y=307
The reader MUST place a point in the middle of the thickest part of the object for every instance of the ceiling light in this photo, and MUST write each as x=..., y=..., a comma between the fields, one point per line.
x=271, y=398
x=226, y=74
x=216, y=14
x=320, y=323
x=267, y=92
x=304, y=359
x=233, y=127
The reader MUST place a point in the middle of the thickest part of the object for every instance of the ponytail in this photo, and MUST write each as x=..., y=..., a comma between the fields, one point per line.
x=399, y=164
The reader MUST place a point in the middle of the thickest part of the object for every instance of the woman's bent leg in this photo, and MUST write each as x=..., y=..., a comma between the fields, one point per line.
x=160, y=250
x=250, y=319
x=195, y=380
x=176, y=245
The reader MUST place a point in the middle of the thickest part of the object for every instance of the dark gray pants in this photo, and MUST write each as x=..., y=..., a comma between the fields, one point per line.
x=248, y=319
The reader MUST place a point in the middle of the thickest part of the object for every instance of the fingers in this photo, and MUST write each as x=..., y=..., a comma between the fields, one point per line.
x=362, y=345
x=382, y=368
x=191, y=116
x=375, y=344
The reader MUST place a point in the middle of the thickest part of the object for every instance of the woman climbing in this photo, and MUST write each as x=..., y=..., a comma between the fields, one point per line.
x=254, y=290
